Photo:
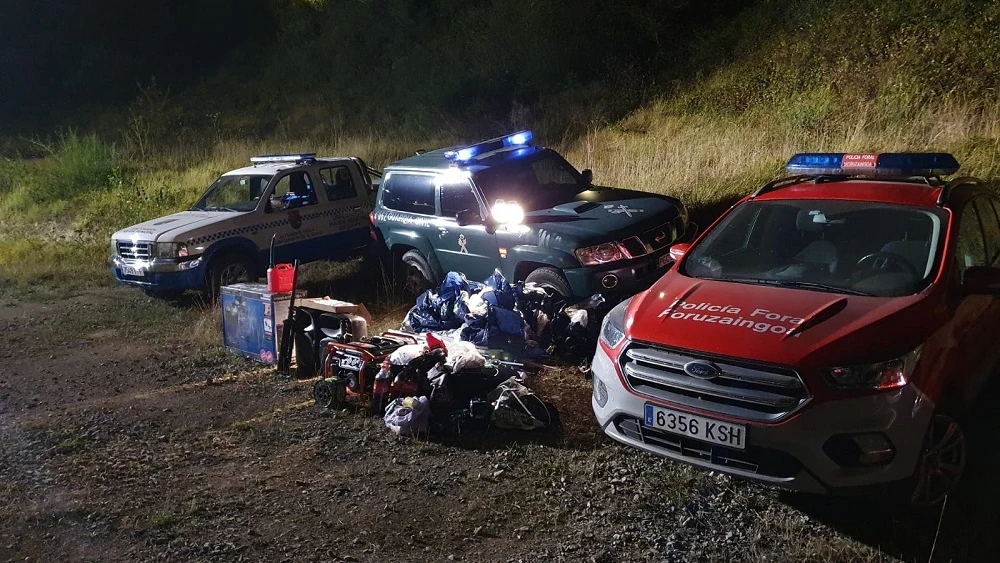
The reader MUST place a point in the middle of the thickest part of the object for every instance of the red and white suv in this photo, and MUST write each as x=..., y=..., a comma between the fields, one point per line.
x=827, y=332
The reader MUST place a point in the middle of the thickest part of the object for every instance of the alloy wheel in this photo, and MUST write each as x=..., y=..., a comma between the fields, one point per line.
x=941, y=463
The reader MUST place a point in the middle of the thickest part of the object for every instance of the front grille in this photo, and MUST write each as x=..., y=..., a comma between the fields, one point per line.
x=754, y=459
x=134, y=250
x=747, y=390
x=651, y=240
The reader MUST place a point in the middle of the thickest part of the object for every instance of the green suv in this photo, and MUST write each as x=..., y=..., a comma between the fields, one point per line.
x=509, y=205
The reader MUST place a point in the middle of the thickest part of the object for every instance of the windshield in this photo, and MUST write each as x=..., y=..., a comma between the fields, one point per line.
x=537, y=182
x=837, y=246
x=234, y=193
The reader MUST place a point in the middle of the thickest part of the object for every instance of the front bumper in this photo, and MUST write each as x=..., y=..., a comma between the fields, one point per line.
x=161, y=275
x=788, y=454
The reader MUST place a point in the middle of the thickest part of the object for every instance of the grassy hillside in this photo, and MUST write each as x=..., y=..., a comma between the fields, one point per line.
x=707, y=115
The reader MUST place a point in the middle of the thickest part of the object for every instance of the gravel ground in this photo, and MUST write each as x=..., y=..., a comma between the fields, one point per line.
x=127, y=434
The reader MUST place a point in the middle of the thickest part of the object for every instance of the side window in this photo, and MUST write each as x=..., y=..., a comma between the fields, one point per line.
x=338, y=183
x=969, y=248
x=413, y=193
x=457, y=197
x=293, y=190
x=991, y=229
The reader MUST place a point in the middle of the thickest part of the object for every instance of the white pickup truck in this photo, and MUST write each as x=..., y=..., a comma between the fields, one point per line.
x=316, y=208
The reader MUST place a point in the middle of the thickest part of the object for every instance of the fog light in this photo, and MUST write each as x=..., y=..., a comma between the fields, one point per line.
x=600, y=392
x=609, y=281
x=858, y=450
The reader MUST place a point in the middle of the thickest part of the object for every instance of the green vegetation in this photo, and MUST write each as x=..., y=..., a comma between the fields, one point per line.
x=700, y=101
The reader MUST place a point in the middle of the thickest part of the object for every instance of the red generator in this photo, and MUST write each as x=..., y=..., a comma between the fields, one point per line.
x=349, y=369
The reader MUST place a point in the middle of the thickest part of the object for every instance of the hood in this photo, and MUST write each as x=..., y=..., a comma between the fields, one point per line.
x=603, y=214
x=779, y=325
x=176, y=227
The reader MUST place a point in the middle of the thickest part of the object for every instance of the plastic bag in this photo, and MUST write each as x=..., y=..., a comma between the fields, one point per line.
x=515, y=407
x=503, y=293
x=408, y=416
x=407, y=353
x=464, y=355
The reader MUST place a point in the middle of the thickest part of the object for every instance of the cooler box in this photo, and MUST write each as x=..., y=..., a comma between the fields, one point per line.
x=252, y=318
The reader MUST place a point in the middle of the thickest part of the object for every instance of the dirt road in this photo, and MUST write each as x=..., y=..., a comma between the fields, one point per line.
x=128, y=434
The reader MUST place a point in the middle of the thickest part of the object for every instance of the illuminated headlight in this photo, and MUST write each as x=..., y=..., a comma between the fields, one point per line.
x=600, y=254
x=508, y=212
x=613, y=329
x=170, y=250
x=890, y=374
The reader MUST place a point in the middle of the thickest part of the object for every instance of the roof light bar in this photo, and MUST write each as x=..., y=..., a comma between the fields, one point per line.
x=471, y=151
x=276, y=158
x=897, y=164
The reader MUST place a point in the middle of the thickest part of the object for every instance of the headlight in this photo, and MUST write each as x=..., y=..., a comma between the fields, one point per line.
x=613, y=329
x=890, y=374
x=600, y=254
x=170, y=250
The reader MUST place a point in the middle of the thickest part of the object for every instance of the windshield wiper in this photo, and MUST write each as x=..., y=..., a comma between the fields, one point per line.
x=219, y=209
x=799, y=284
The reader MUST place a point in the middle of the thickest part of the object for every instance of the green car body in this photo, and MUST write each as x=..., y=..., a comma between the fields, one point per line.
x=448, y=210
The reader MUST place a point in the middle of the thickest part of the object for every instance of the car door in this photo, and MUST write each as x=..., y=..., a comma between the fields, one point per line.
x=969, y=338
x=344, y=217
x=291, y=214
x=468, y=249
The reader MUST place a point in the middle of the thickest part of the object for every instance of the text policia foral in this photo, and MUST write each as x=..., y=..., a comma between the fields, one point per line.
x=759, y=320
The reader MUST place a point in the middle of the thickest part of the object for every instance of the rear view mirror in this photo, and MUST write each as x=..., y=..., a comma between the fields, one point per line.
x=468, y=217
x=588, y=176
x=678, y=250
x=981, y=280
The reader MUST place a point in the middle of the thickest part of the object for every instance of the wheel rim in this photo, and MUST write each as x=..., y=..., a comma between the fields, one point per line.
x=941, y=463
x=414, y=282
x=323, y=394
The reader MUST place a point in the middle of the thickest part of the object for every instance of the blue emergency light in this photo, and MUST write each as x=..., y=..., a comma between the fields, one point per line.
x=471, y=151
x=897, y=164
x=278, y=158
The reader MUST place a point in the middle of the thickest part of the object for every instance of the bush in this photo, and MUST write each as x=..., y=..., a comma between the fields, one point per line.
x=80, y=164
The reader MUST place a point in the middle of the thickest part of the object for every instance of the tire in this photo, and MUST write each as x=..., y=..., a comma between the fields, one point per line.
x=414, y=274
x=229, y=269
x=551, y=280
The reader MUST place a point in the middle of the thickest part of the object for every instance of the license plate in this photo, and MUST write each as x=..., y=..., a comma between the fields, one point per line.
x=132, y=271
x=352, y=363
x=697, y=427
x=663, y=261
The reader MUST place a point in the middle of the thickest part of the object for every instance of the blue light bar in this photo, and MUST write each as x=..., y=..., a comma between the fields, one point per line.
x=471, y=151
x=276, y=158
x=897, y=164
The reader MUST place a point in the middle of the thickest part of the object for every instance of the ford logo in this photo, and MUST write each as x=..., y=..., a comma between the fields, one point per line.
x=702, y=369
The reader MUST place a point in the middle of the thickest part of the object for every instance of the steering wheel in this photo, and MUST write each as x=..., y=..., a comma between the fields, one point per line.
x=881, y=261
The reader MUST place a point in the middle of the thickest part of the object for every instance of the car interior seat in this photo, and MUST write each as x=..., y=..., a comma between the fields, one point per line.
x=820, y=253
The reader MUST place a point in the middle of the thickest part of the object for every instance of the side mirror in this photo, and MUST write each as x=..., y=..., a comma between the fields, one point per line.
x=981, y=280
x=468, y=217
x=678, y=250
x=588, y=176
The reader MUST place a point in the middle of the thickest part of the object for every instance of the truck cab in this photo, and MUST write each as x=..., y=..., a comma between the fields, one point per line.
x=311, y=208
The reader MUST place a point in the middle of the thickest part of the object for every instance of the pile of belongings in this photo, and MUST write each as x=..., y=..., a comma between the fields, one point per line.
x=448, y=387
x=522, y=318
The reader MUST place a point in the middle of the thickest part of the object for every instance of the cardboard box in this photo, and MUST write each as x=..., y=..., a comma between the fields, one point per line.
x=252, y=318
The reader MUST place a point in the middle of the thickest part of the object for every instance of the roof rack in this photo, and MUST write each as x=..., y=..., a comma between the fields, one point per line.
x=297, y=158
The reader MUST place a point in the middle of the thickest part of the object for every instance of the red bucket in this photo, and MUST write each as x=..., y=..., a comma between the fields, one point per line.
x=279, y=278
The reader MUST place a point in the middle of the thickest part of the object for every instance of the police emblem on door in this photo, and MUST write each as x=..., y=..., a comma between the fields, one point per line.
x=462, y=244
